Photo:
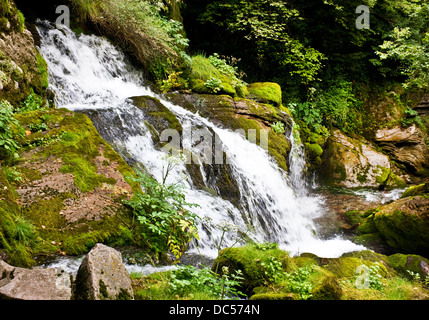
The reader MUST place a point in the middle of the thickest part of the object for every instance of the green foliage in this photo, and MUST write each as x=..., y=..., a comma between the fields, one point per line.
x=33, y=102
x=217, y=75
x=265, y=28
x=410, y=45
x=187, y=279
x=299, y=282
x=12, y=175
x=164, y=216
x=8, y=145
x=278, y=127
x=213, y=84
x=335, y=106
x=273, y=270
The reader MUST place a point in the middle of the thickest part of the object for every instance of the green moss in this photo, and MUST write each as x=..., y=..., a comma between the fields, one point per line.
x=404, y=263
x=78, y=151
x=103, y=290
x=265, y=92
x=416, y=190
x=383, y=175
x=402, y=227
x=17, y=236
x=84, y=172
x=313, y=150
x=367, y=226
x=41, y=81
x=273, y=296
x=249, y=260
x=345, y=267
x=159, y=116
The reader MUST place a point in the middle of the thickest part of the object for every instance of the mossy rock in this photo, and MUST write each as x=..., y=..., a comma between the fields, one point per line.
x=265, y=92
x=159, y=116
x=367, y=226
x=73, y=184
x=404, y=224
x=313, y=150
x=202, y=71
x=410, y=262
x=345, y=267
x=272, y=296
x=416, y=190
x=324, y=286
x=249, y=260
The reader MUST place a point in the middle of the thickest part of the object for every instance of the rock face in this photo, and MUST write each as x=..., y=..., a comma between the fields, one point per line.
x=241, y=114
x=353, y=163
x=21, y=65
x=102, y=276
x=402, y=224
x=406, y=146
x=34, y=284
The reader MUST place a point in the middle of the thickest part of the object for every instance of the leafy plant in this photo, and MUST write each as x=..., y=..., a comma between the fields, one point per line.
x=278, y=127
x=273, y=270
x=8, y=146
x=188, y=279
x=12, y=175
x=298, y=282
x=40, y=127
x=166, y=222
x=214, y=84
x=33, y=102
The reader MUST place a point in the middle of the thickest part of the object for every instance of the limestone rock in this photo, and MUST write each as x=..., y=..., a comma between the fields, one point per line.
x=102, y=276
x=354, y=163
x=406, y=146
x=34, y=284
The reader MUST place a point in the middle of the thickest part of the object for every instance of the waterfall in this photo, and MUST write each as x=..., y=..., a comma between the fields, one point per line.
x=88, y=74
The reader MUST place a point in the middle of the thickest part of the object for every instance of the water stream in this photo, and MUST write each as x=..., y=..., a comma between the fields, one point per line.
x=88, y=74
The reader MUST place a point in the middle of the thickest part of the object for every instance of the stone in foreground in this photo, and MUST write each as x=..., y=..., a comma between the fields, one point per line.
x=102, y=276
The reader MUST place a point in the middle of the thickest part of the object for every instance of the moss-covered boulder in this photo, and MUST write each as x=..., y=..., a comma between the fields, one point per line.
x=355, y=163
x=253, y=261
x=405, y=224
x=417, y=190
x=400, y=225
x=306, y=283
x=206, y=78
x=404, y=263
x=71, y=183
x=265, y=92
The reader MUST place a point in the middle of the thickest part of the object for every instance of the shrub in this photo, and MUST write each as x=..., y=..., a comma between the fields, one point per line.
x=137, y=26
x=187, y=280
x=166, y=224
x=8, y=146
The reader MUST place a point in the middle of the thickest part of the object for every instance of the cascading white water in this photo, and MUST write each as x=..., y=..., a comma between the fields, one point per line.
x=89, y=74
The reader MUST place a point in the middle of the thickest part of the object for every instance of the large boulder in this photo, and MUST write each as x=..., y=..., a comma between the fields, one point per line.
x=406, y=146
x=402, y=224
x=102, y=276
x=34, y=284
x=353, y=163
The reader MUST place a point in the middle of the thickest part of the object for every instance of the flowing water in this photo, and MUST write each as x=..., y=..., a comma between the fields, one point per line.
x=88, y=74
